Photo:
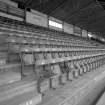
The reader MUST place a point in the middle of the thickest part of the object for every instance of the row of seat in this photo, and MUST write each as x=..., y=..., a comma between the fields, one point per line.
x=33, y=30
x=37, y=37
x=36, y=43
x=41, y=47
x=50, y=58
x=50, y=76
x=28, y=27
x=66, y=71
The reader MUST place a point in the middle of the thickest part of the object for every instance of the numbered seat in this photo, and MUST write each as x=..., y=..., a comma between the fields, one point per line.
x=89, y=66
x=49, y=55
x=60, y=54
x=39, y=56
x=44, y=78
x=80, y=67
x=70, y=74
x=55, y=55
x=55, y=80
x=27, y=64
x=63, y=69
x=85, y=65
x=75, y=71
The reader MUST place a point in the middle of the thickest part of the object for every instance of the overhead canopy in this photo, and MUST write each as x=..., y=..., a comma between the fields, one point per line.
x=87, y=14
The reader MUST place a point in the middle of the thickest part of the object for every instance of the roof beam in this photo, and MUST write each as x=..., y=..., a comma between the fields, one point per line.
x=28, y=3
x=57, y=7
x=74, y=13
x=90, y=21
x=89, y=17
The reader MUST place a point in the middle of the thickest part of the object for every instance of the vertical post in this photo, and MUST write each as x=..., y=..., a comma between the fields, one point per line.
x=63, y=26
x=8, y=49
x=47, y=21
x=81, y=32
x=34, y=63
x=73, y=29
x=25, y=11
x=21, y=69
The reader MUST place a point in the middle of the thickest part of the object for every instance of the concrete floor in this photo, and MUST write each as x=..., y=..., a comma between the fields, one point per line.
x=85, y=90
x=101, y=99
x=94, y=94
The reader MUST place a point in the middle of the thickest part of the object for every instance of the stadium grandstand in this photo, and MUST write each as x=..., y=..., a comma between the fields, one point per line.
x=52, y=52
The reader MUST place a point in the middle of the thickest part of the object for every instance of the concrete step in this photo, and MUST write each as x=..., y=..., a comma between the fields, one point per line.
x=75, y=91
x=101, y=100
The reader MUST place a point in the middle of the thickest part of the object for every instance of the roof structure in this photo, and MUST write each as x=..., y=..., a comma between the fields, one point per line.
x=87, y=14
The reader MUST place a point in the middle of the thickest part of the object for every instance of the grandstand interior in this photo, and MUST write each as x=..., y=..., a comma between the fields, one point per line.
x=52, y=52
